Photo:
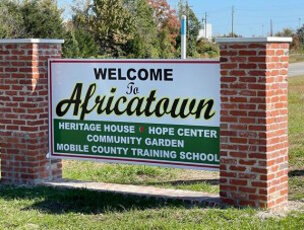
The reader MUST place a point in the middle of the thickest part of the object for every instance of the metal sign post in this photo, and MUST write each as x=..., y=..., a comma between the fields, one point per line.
x=183, y=37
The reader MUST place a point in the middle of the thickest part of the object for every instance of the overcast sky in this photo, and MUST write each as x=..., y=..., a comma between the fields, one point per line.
x=252, y=17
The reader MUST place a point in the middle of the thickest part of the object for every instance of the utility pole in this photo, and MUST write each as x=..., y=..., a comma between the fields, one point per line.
x=300, y=19
x=263, y=30
x=206, y=25
x=232, y=22
x=271, y=28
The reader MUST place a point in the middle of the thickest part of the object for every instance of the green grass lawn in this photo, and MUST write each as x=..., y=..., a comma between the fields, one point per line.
x=142, y=175
x=296, y=138
x=47, y=208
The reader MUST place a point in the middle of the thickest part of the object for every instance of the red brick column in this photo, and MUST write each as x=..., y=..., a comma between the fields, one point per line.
x=254, y=121
x=24, y=110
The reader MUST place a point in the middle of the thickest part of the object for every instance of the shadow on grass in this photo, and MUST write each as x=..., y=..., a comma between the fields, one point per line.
x=187, y=182
x=58, y=201
x=296, y=173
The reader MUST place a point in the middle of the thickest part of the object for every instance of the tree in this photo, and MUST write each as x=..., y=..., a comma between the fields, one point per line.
x=207, y=49
x=300, y=34
x=128, y=28
x=42, y=19
x=286, y=32
x=232, y=35
x=167, y=50
x=70, y=48
x=79, y=40
x=145, y=42
x=296, y=43
x=112, y=24
x=168, y=27
x=11, y=22
x=86, y=43
x=102, y=27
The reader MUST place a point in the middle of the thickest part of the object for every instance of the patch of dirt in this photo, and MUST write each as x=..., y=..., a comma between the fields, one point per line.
x=283, y=212
x=197, y=175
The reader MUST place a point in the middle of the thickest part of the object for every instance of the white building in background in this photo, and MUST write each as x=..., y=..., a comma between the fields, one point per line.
x=205, y=34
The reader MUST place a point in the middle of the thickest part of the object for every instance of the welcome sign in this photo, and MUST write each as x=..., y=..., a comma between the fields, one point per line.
x=163, y=113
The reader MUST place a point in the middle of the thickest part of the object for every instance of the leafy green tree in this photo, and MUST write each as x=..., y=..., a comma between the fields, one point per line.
x=168, y=26
x=42, y=19
x=167, y=50
x=11, y=22
x=287, y=32
x=233, y=35
x=112, y=24
x=300, y=33
x=207, y=49
x=128, y=28
x=79, y=42
x=70, y=48
x=80, y=35
x=86, y=43
x=145, y=42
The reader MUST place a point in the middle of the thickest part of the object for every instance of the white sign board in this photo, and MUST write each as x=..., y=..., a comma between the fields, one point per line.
x=155, y=112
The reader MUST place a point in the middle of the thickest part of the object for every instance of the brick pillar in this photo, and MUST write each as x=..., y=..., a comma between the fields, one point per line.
x=24, y=110
x=254, y=121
